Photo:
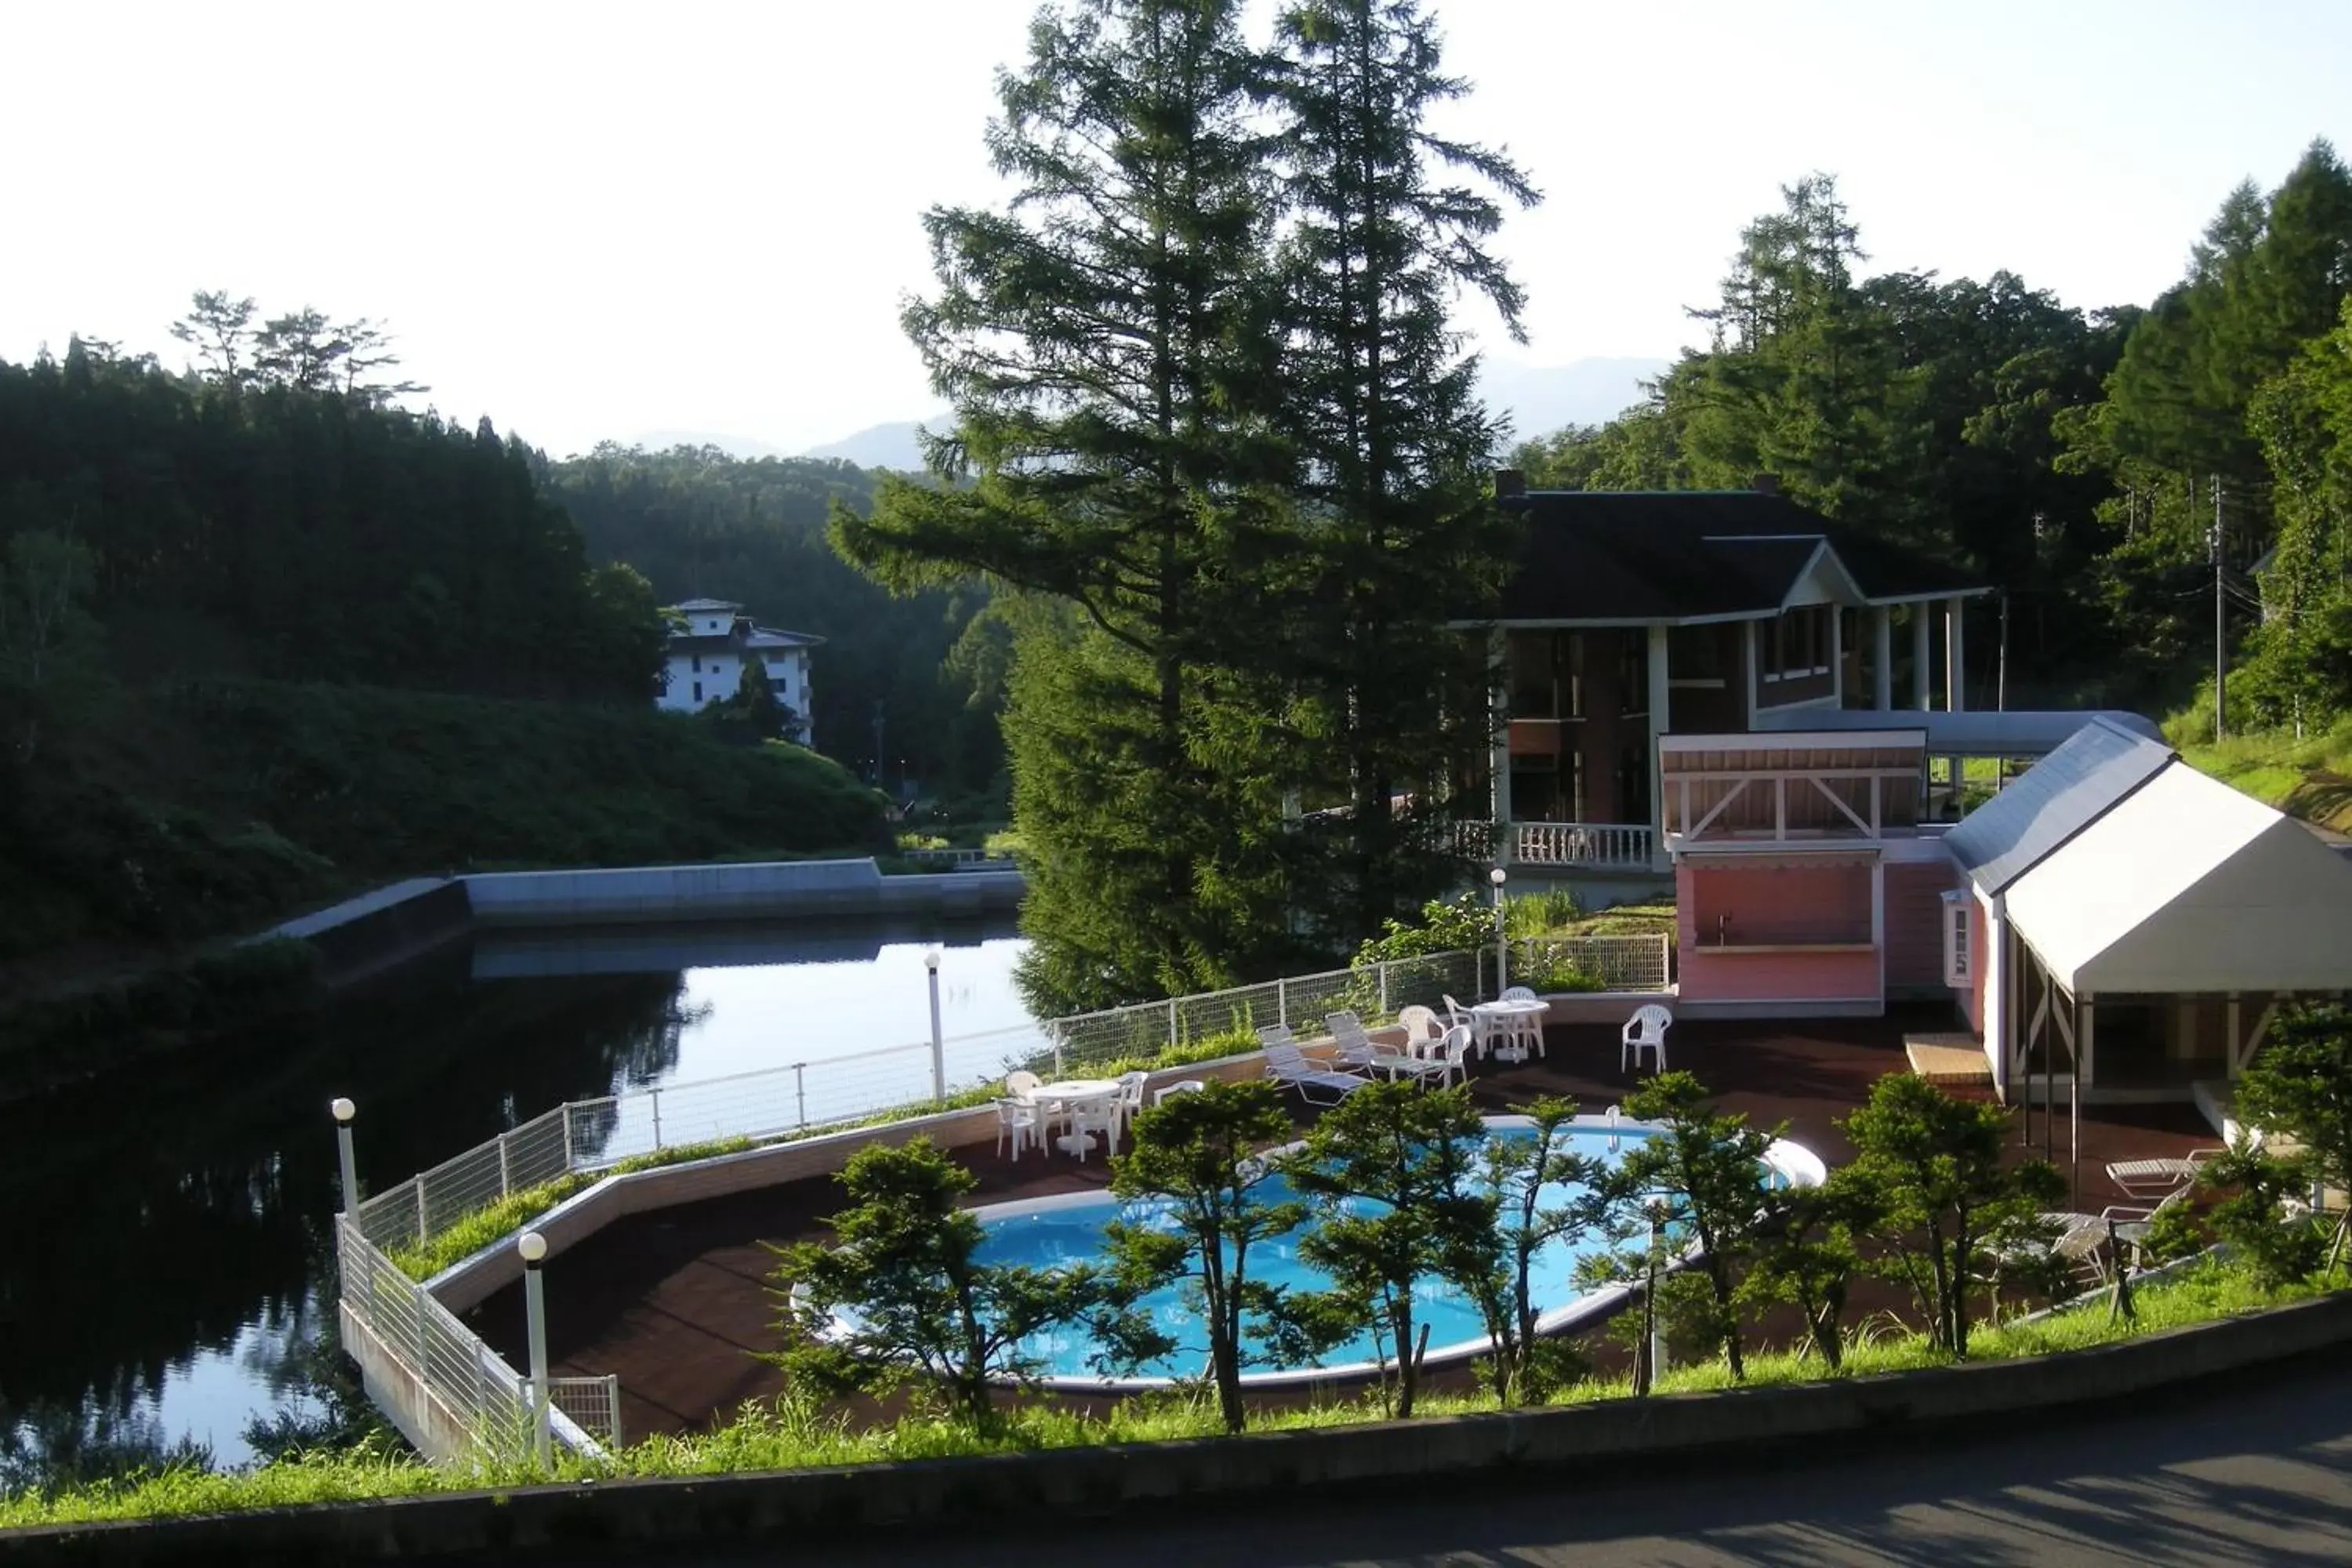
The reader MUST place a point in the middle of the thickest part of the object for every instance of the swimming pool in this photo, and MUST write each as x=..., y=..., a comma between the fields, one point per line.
x=1068, y=1229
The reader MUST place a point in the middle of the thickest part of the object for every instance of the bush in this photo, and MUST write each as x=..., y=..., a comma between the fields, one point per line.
x=1446, y=926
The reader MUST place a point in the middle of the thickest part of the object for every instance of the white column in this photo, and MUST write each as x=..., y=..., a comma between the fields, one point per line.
x=1837, y=654
x=1996, y=993
x=1882, y=657
x=1920, y=684
x=1499, y=671
x=1747, y=673
x=2086, y=1045
x=1878, y=925
x=1661, y=694
x=1956, y=664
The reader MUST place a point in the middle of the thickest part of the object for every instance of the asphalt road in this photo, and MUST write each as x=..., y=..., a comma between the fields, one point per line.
x=2259, y=1472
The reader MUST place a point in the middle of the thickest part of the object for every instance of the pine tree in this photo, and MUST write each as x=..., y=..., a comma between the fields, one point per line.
x=1387, y=435
x=1102, y=342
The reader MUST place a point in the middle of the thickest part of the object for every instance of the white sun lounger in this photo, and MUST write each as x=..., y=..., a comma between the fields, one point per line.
x=1287, y=1064
x=2148, y=1178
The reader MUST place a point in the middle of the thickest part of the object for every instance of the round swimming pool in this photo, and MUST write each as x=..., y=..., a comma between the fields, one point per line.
x=1047, y=1232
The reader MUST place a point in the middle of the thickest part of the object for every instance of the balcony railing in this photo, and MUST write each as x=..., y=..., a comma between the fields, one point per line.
x=1625, y=845
x=1620, y=844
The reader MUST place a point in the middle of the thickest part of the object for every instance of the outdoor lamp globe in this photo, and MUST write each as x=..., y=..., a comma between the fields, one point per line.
x=931, y=961
x=1498, y=876
x=533, y=1247
x=341, y=1109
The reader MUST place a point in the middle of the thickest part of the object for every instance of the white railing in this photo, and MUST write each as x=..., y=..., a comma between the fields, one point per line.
x=1605, y=843
x=958, y=859
x=460, y=1383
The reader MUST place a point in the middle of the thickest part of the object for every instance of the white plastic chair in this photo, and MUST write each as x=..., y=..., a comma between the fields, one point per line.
x=1018, y=1121
x=1645, y=1031
x=1022, y=1085
x=1453, y=1056
x=1423, y=1032
x=1519, y=994
x=1130, y=1094
x=1086, y=1120
x=1182, y=1086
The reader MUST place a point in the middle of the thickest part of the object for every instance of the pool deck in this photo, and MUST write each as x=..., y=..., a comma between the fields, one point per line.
x=676, y=1302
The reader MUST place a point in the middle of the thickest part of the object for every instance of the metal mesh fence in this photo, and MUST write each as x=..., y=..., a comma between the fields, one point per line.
x=1637, y=961
x=485, y=1395
x=593, y=1403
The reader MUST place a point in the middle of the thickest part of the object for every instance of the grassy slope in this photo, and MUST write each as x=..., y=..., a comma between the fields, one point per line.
x=204, y=808
x=787, y=1437
x=2310, y=778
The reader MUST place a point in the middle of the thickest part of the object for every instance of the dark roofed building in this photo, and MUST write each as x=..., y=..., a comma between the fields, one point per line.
x=1632, y=615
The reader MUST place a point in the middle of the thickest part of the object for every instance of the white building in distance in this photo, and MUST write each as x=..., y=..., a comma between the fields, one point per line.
x=706, y=660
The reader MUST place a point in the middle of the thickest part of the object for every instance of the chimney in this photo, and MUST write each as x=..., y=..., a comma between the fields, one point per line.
x=1510, y=485
x=1765, y=484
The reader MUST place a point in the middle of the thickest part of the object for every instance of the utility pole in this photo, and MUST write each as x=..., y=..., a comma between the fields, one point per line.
x=2220, y=625
x=878, y=744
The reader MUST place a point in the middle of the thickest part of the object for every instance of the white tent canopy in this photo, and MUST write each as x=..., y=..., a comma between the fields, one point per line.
x=2186, y=886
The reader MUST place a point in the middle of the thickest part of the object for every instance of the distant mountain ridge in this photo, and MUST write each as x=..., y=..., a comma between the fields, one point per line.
x=893, y=445
x=1537, y=399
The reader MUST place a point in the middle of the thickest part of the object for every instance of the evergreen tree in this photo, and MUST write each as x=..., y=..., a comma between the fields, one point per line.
x=1386, y=431
x=1102, y=341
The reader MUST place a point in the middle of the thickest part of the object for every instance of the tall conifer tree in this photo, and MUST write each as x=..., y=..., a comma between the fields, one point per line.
x=1102, y=342
x=1389, y=225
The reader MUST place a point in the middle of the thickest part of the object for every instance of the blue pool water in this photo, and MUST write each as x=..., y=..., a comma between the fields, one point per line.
x=1073, y=1233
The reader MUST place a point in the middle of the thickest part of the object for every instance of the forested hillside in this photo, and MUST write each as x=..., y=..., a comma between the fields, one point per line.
x=698, y=522
x=2081, y=459
x=206, y=580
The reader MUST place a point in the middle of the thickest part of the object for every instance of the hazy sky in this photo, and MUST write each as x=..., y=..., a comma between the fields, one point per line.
x=603, y=220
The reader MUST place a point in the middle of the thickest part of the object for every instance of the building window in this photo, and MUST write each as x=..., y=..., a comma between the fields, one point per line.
x=1546, y=673
x=1959, y=954
x=1633, y=672
x=697, y=662
x=1797, y=645
x=697, y=691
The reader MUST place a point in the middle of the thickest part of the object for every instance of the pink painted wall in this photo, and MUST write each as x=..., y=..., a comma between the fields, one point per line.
x=1915, y=913
x=1794, y=976
x=1774, y=904
x=1979, y=966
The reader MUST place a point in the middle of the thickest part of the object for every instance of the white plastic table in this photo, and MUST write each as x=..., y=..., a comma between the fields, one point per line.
x=1498, y=1026
x=1069, y=1092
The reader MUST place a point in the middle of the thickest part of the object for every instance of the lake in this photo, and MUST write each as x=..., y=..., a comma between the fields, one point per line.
x=165, y=1246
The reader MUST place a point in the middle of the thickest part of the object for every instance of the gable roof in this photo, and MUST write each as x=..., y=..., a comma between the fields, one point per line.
x=1646, y=555
x=2053, y=801
x=692, y=605
x=2184, y=886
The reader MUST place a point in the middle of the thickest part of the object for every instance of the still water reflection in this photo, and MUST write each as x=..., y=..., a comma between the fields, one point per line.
x=164, y=1248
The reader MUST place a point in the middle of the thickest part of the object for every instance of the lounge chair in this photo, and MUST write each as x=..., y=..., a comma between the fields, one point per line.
x=1359, y=1052
x=1182, y=1086
x=2160, y=1176
x=1287, y=1064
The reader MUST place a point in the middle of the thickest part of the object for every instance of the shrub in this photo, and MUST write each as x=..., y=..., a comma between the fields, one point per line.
x=1446, y=926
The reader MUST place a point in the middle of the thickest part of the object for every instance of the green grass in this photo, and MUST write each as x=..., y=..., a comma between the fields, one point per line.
x=791, y=1434
x=479, y=1227
x=200, y=808
x=2310, y=778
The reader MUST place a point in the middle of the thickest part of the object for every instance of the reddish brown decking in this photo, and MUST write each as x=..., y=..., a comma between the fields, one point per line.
x=675, y=1302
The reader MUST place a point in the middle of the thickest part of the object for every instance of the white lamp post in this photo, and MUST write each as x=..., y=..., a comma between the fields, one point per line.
x=533, y=1248
x=1498, y=877
x=343, y=1110
x=938, y=1049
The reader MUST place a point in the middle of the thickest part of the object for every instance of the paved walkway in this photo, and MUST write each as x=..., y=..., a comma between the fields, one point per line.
x=2258, y=1473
